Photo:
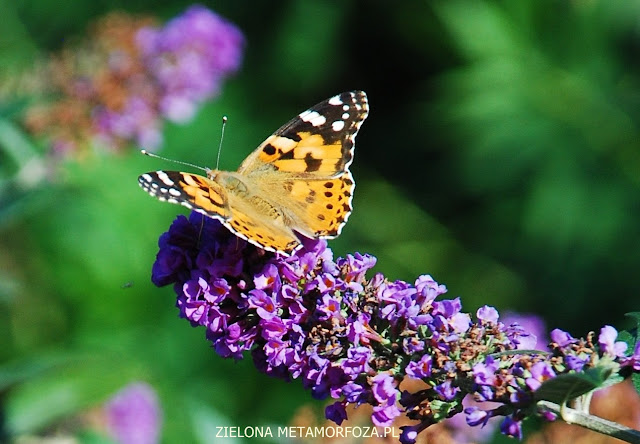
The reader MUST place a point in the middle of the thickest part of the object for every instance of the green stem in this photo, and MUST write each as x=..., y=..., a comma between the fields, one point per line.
x=588, y=421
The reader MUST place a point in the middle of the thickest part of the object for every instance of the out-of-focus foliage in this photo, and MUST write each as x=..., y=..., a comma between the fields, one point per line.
x=501, y=155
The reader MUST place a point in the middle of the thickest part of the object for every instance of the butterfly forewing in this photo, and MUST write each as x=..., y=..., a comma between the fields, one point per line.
x=195, y=192
x=317, y=142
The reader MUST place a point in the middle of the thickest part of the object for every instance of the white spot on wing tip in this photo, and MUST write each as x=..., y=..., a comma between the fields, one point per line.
x=313, y=117
x=164, y=178
x=335, y=100
x=338, y=125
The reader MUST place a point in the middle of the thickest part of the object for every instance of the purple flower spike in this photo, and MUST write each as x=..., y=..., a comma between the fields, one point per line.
x=384, y=388
x=540, y=372
x=485, y=372
x=531, y=325
x=446, y=390
x=355, y=339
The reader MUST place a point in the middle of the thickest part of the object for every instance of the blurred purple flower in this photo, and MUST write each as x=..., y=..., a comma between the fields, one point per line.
x=117, y=87
x=136, y=121
x=133, y=415
x=189, y=58
x=533, y=325
x=464, y=427
x=336, y=412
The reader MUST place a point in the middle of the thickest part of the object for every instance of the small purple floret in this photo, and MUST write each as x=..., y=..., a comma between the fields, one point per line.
x=608, y=344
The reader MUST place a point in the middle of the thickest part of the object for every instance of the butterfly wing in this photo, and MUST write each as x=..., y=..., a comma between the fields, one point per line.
x=257, y=222
x=304, y=166
x=318, y=142
x=195, y=192
x=320, y=208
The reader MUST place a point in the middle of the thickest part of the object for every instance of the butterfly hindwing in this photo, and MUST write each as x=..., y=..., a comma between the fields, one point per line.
x=268, y=236
x=326, y=205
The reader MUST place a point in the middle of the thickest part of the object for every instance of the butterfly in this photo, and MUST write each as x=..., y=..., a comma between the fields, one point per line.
x=296, y=183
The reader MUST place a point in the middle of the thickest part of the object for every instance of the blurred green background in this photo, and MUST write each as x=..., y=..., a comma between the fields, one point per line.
x=501, y=156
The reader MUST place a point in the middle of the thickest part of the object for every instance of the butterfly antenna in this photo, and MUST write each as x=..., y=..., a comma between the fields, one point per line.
x=224, y=124
x=147, y=153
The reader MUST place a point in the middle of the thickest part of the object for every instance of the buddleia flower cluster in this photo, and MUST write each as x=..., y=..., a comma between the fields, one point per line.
x=355, y=336
x=116, y=87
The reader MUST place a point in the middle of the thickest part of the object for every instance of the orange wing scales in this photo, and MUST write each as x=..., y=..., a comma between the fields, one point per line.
x=266, y=236
x=326, y=203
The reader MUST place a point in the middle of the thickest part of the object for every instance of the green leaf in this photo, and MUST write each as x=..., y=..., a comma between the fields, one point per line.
x=631, y=339
x=627, y=338
x=569, y=386
x=14, y=373
x=15, y=143
x=634, y=315
x=634, y=332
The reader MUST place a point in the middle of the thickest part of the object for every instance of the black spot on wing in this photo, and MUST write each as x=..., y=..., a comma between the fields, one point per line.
x=269, y=149
x=287, y=156
x=312, y=164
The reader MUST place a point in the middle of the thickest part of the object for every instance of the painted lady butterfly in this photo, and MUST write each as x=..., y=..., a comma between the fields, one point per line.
x=297, y=182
